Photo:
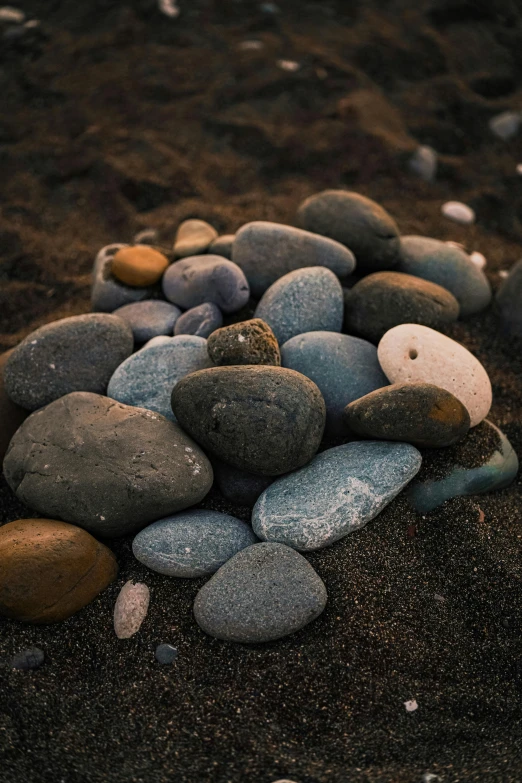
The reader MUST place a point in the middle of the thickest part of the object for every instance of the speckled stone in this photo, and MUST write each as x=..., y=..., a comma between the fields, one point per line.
x=166, y=653
x=74, y=354
x=451, y=473
x=448, y=266
x=107, y=293
x=49, y=570
x=149, y=319
x=267, y=251
x=209, y=278
x=343, y=367
x=112, y=469
x=192, y=543
x=340, y=491
x=200, y=321
x=193, y=237
x=383, y=300
x=263, y=593
x=305, y=300
x=509, y=301
x=411, y=353
x=32, y=658
x=222, y=246
x=138, y=266
x=265, y=420
x=146, y=378
x=418, y=413
x=247, y=342
x=130, y=609
x=11, y=415
x=239, y=486
x=357, y=222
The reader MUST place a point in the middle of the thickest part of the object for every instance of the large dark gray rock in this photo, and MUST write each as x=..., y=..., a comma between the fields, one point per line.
x=263, y=419
x=357, y=222
x=107, y=467
x=263, y=593
x=74, y=354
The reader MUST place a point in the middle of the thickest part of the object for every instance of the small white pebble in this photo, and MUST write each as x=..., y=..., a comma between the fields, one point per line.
x=478, y=259
x=33, y=342
x=102, y=518
x=411, y=705
x=247, y=46
x=288, y=65
x=52, y=366
x=429, y=777
x=423, y=163
x=438, y=597
x=188, y=550
x=241, y=338
x=503, y=273
x=130, y=609
x=10, y=14
x=519, y=168
x=459, y=212
x=32, y=24
x=187, y=448
x=169, y=8
x=505, y=125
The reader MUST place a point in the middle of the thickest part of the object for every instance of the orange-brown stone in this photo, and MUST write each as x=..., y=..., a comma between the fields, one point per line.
x=11, y=415
x=49, y=570
x=139, y=266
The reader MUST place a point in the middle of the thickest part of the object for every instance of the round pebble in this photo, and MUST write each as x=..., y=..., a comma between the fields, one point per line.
x=193, y=237
x=31, y=658
x=265, y=592
x=458, y=212
x=305, y=300
x=130, y=609
x=192, y=281
x=247, y=342
x=506, y=125
x=357, y=222
x=165, y=363
x=139, y=266
x=192, y=543
x=412, y=353
x=149, y=319
x=423, y=163
x=200, y=321
x=107, y=293
x=166, y=653
x=79, y=353
x=222, y=246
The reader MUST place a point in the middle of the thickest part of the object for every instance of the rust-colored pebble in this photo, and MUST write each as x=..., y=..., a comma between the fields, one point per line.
x=139, y=266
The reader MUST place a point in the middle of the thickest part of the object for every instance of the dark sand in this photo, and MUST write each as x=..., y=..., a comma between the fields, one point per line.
x=115, y=118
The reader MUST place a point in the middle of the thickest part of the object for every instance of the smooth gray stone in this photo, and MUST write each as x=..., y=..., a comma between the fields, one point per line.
x=305, y=300
x=149, y=319
x=79, y=353
x=192, y=543
x=239, y=486
x=499, y=468
x=267, y=251
x=31, y=658
x=107, y=293
x=424, y=163
x=146, y=379
x=338, y=492
x=357, y=222
x=263, y=593
x=192, y=237
x=208, y=278
x=222, y=246
x=104, y=466
x=200, y=321
x=449, y=267
x=343, y=367
x=509, y=301
x=166, y=653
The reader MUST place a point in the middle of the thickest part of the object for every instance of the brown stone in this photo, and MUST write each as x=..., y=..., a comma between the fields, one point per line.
x=49, y=570
x=139, y=266
x=11, y=415
x=247, y=342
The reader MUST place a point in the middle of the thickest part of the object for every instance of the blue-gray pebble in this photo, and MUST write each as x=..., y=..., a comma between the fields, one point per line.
x=209, y=278
x=192, y=543
x=146, y=379
x=306, y=300
x=150, y=318
x=200, y=321
x=509, y=301
x=498, y=471
x=267, y=251
x=222, y=246
x=166, y=653
x=343, y=367
x=447, y=266
x=107, y=293
x=338, y=492
x=28, y=659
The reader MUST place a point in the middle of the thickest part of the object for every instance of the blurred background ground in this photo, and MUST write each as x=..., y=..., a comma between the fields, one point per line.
x=115, y=118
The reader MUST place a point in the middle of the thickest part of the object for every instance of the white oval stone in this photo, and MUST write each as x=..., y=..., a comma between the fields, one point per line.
x=459, y=212
x=478, y=259
x=130, y=609
x=410, y=353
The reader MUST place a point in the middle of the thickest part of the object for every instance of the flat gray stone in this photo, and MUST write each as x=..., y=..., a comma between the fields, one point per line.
x=192, y=543
x=149, y=319
x=74, y=354
x=32, y=658
x=192, y=281
x=104, y=466
x=222, y=246
x=200, y=321
x=263, y=593
x=338, y=492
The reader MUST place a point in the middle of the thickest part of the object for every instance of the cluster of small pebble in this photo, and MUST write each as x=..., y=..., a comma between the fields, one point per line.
x=316, y=412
